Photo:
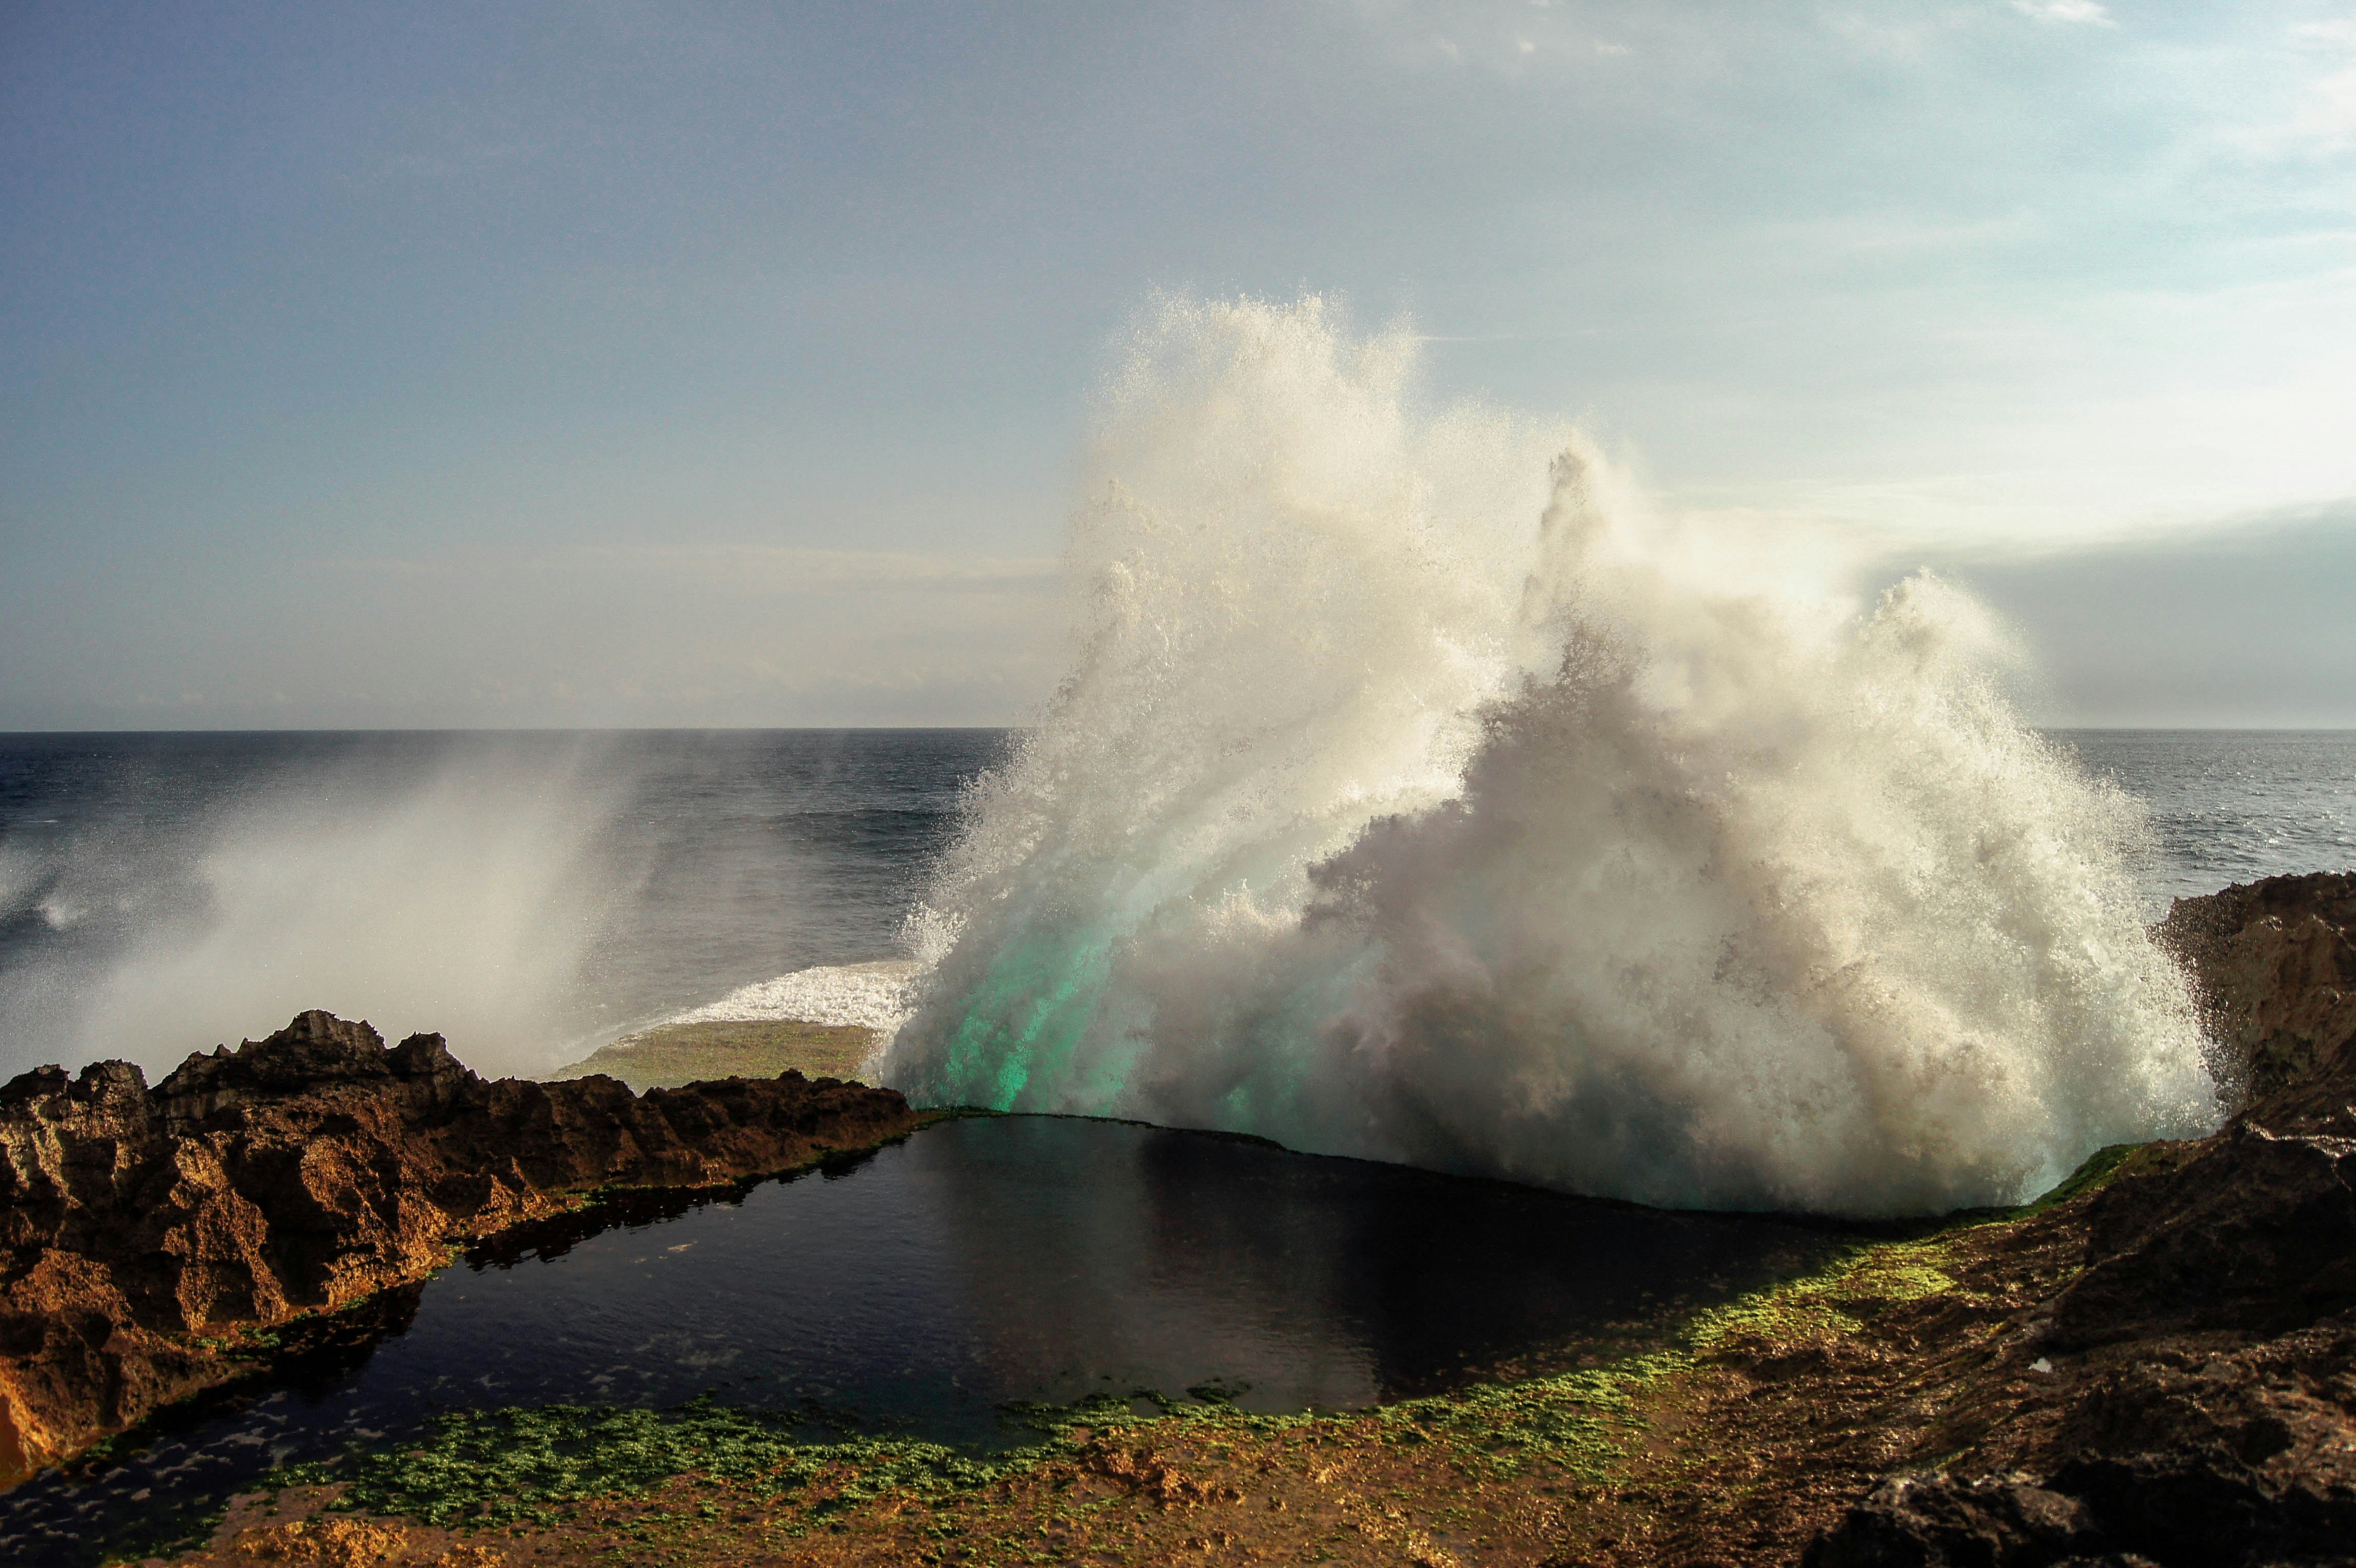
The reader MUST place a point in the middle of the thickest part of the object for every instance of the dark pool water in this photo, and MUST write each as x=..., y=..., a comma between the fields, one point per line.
x=924, y=1287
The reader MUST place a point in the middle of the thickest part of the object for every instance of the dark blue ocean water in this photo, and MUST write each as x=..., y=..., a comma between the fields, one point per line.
x=2232, y=806
x=533, y=895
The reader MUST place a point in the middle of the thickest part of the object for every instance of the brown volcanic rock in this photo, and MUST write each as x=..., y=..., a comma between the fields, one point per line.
x=2202, y=1403
x=2275, y=962
x=143, y=1232
x=2255, y=1234
x=2253, y=1231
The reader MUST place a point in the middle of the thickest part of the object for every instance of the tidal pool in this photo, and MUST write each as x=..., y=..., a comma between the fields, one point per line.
x=925, y=1287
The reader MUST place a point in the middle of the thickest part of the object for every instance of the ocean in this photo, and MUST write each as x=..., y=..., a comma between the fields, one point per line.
x=530, y=895
x=534, y=895
x=2230, y=806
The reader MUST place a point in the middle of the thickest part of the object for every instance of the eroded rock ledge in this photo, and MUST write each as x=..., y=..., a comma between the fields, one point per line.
x=2194, y=1399
x=146, y=1234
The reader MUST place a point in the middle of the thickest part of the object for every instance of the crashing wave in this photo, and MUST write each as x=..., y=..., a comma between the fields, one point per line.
x=1418, y=794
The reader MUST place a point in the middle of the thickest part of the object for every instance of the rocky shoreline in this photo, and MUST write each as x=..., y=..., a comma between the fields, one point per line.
x=2194, y=1391
x=153, y=1239
x=2155, y=1366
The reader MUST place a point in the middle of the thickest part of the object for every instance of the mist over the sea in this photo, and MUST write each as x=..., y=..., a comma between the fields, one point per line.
x=529, y=894
x=1416, y=793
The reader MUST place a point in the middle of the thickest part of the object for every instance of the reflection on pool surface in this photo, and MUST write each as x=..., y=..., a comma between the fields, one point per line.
x=981, y=1261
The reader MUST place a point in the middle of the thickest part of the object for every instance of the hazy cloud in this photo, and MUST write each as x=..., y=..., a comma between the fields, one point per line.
x=591, y=635
x=2241, y=625
x=2081, y=11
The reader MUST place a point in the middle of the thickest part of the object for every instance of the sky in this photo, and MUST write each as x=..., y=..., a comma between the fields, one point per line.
x=615, y=364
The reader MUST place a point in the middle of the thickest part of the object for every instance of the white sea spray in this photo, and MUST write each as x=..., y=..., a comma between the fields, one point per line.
x=460, y=897
x=1418, y=792
x=875, y=995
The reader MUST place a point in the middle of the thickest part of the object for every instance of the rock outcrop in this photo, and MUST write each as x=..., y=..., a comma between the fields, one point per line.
x=2275, y=963
x=151, y=1238
x=2201, y=1406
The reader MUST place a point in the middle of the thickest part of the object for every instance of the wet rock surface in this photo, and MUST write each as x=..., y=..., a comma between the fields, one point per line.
x=2198, y=1398
x=153, y=1239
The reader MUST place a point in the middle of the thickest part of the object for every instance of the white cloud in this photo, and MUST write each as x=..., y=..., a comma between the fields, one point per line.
x=2064, y=11
x=2325, y=119
x=2327, y=122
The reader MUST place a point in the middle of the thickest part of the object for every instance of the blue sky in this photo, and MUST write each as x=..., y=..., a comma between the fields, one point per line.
x=621, y=363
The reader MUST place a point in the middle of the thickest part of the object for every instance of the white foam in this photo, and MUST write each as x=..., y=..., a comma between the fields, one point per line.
x=1418, y=792
x=876, y=995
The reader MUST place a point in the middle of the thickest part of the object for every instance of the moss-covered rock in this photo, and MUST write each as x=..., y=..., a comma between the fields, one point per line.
x=676, y=1053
